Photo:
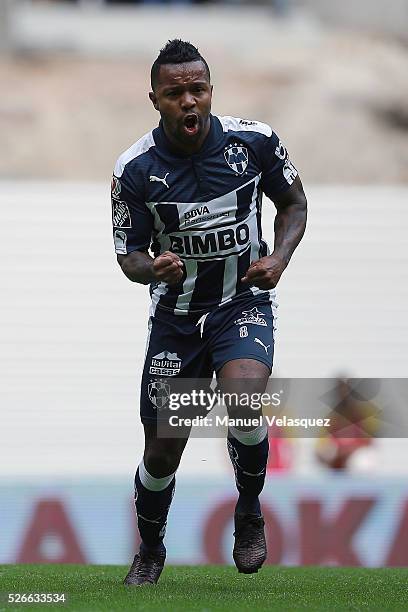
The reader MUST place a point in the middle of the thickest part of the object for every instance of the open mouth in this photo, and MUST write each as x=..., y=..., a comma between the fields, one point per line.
x=191, y=124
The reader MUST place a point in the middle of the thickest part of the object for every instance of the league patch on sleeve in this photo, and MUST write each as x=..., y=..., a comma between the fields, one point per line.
x=120, y=239
x=289, y=171
x=120, y=214
x=280, y=151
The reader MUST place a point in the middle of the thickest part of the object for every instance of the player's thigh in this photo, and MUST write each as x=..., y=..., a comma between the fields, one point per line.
x=247, y=370
x=175, y=350
x=242, y=351
x=242, y=383
x=242, y=342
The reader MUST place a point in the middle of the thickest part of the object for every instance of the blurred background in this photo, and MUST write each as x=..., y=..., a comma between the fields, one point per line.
x=331, y=78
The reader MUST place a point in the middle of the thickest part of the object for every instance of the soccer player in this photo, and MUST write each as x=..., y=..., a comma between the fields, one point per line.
x=191, y=191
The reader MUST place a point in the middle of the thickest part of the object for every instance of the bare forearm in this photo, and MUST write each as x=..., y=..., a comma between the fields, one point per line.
x=138, y=267
x=290, y=224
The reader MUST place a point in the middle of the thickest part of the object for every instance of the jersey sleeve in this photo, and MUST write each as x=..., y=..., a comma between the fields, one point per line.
x=278, y=172
x=131, y=219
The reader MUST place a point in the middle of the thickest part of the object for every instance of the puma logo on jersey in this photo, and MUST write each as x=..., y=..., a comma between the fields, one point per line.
x=157, y=179
x=266, y=347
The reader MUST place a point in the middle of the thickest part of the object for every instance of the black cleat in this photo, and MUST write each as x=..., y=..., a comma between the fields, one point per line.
x=146, y=568
x=250, y=545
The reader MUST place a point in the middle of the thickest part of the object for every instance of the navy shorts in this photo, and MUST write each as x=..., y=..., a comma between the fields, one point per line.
x=195, y=346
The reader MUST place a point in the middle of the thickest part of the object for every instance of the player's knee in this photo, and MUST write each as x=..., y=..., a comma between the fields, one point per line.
x=161, y=463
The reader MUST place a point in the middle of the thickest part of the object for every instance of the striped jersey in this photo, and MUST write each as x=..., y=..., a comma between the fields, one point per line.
x=205, y=207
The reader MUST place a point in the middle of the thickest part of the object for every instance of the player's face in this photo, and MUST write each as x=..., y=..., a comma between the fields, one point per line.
x=182, y=96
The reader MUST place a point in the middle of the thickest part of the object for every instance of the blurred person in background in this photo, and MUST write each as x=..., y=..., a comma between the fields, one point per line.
x=281, y=450
x=349, y=441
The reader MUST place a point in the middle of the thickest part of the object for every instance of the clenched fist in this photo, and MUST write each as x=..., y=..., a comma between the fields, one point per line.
x=168, y=268
x=265, y=272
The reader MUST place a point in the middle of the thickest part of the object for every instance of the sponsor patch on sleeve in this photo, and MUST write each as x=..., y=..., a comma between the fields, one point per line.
x=120, y=239
x=115, y=187
x=120, y=214
x=289, y=171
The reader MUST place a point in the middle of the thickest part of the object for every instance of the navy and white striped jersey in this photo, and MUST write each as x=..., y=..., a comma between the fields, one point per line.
x=205, y=207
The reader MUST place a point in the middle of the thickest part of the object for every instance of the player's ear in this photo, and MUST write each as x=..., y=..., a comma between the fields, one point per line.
x=153, y=99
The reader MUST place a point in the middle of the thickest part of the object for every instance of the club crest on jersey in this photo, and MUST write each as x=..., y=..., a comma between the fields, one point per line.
x=252, y=317
x=159, y=393
x=236, y=157
x=165, y=364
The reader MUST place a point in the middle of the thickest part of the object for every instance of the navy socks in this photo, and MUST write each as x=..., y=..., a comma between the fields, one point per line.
x=152, y=500
x=249, y=455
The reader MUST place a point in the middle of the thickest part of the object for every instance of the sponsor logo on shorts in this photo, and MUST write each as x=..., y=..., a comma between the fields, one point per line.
x=165, y=364
x=265, y=346
x=120, y=214
x=115, y=187
x=252, y=317
x=120, y=239
x=159, y=393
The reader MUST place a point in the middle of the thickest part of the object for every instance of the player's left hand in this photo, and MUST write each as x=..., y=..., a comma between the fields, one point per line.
x=265, y=273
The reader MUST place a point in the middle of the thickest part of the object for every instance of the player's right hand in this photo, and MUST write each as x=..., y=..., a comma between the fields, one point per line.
x=168, y=268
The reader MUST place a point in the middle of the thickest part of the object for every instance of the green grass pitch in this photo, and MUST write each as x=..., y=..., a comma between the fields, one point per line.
x=208, y=588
